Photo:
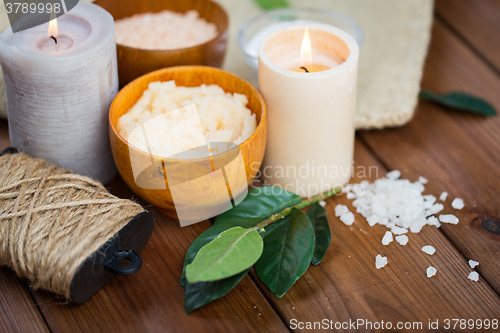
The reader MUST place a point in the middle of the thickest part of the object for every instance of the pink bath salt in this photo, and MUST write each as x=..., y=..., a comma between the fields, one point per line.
x=165, y=30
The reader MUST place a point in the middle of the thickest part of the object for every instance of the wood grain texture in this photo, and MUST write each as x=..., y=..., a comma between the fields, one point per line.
x=18, y=313
x=133, y=62
x=153, y=301
x=457, y=152
x=347, y=286
x=153, y=186
x=477, y=22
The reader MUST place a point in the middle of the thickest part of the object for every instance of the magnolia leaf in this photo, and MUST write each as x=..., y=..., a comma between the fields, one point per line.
x=322, y=234
x=204, y=238
x=460, y=101
x=288, y=250
x=231, y=252
x=198, y=294
x=259, y=204
x=272, y=4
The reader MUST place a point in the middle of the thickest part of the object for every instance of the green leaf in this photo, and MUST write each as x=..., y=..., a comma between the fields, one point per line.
x=231, y=252
x=322, y=234
x=204, y=238
x=198, y=294
x=288, y=249
x=259, y=204
x=460, y=101
x=272, y=4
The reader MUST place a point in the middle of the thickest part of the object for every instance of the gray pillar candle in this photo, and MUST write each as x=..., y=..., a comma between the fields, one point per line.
x=58, y=96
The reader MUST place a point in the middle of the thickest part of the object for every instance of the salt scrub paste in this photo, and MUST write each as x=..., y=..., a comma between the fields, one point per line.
x=182, y=118
x=165, y=30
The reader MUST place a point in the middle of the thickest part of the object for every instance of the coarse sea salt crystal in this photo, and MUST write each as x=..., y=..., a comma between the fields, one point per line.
x=458, y=203
x=430, y=250
x=448, y=218
x=394, y=174
x=380, y=261
x=443, y=196
x=432, y=220
x=350, y=195
x=341, y=209
x=398, y=230
x=347, y=218
x=372, y=220
x=473, y=263
x=322, y=203
x=431, y=271
x=473, y=276
x=403, y=239
x=418, y=224
x=422, y=180
x=436, y=208
x=387, y=238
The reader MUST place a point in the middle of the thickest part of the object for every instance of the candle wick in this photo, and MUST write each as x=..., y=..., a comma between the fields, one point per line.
x=302, y=67
x=53, y=38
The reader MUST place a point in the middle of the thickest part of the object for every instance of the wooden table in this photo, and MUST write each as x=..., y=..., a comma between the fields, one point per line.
x=457, y=152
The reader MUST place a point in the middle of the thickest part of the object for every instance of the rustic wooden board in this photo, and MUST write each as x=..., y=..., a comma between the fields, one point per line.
x=458, y=153
x=153, y=301
x=478, y=22
x=347, y=286
x=18, y=313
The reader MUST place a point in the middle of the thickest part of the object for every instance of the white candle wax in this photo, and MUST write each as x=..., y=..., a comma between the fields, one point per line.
x=310, y=140
x=58, y=96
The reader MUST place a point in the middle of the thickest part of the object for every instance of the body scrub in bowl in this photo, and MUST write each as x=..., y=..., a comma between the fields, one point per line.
x=151, y=35
x=156, y=119
x=165, y=30
x=173, y=125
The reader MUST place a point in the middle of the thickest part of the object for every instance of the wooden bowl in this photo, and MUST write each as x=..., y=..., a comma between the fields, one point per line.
x=133, y=62
x=145, y=173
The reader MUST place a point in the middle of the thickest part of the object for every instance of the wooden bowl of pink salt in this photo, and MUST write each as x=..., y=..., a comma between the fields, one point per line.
x=155, y=34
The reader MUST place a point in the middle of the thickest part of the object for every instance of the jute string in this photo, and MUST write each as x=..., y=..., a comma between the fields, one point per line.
x=52, y=220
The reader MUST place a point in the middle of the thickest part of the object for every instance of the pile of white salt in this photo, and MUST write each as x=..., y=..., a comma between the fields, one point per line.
x=400, y=206
x=165, y=30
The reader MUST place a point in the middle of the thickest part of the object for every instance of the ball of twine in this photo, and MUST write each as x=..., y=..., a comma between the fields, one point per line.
x=52, y=220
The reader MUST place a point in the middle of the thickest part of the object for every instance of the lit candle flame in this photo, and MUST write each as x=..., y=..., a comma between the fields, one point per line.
x=305, y=50
x=53, y=25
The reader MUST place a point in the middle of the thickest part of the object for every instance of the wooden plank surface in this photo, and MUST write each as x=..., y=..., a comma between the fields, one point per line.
x=347, y=286
x=18, y=312
x=477, y=22
x=153, y=301
x=457, y=152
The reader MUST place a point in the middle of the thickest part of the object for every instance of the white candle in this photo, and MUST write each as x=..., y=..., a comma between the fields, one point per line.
x=58, y=95
x=310, y=140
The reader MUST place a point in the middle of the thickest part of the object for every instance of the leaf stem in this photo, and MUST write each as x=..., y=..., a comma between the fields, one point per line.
x=264, y=224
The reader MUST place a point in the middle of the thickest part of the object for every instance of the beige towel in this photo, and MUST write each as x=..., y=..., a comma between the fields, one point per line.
x=397, y=34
